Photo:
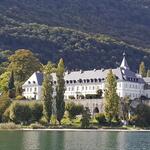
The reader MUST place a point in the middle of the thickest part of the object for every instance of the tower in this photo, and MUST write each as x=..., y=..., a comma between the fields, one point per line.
x=124, y=63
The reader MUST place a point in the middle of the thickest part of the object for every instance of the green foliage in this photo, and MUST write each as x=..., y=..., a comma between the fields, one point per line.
x=73, y=109
x=142, y=115
x=86, y=116
x=148, y=73
x=4, y=79
x=142, y=70
x=20, y=112
x=36, y=126
x=52, y=43
x=20, y=63
x=36, y=110
x=11, y=86
x=89, y=16
x=8, y=126
x=111, y=103
x=20, y=97
x=47, y=92
x=23, y=112
x=125, y=108
x=60, y=90
x=4, y=104
x=100, y=118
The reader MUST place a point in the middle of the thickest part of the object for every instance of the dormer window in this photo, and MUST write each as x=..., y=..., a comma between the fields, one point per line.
x=67, y=81
x=99, y=80
x=74, y=81
x=88, y=80
x=92, y=80
x=34, y=82
x=29, y=82
x=71, y=81
x=80, y=80
x=95, y=80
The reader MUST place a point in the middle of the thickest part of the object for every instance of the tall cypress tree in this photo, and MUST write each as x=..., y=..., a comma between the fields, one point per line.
x=142, y=70
x=60, y=90
x=11, y=86
x=111, y=104
x=47, y=92
x=148, y=73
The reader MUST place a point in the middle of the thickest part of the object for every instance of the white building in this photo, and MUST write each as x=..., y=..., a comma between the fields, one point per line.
x=81, y=83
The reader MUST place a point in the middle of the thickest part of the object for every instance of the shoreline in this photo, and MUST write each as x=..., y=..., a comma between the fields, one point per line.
x=80, y=130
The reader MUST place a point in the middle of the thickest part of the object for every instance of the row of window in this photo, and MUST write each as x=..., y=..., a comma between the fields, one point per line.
x=84, y=81
x=83, y=88
x=135, y=86
x=30, y=89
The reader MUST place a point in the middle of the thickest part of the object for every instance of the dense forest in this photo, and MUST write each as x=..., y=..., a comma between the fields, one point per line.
x=128, y=20
x=87, y=34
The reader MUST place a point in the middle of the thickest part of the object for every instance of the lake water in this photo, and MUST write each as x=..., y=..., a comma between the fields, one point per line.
x=68, y=140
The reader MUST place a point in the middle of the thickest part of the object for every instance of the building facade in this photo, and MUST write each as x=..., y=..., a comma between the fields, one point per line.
x=80, y=84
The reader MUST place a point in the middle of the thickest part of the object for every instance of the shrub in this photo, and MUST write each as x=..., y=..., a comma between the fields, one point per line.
x=20, y=97
x=20, y=112
x=36, y=126
x=142, y=115
x=5, y=117
x=53, y=120
x=9, y=126
x=73, y=109
x=100, y=118
x=36, y=110
x=4, y=104
x=86, y=116
x=71, y=97
x=43, y=121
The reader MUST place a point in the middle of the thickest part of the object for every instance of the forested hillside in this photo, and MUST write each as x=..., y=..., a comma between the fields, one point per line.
x=128, y=20
x=87, y=34
x=80, y=50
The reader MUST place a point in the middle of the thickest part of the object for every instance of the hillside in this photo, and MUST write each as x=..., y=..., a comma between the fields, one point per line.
x=128, y=20
x=80, y=50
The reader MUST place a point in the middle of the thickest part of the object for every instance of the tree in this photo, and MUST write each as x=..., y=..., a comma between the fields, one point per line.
x=142, y=70
x=11, y=86
x=86, y=116
x=4, y=79
x=73, y=109
x=125, y=107
x=60, y=90
x=24, y=64
x=111, y=104
x=47, y=92
x=148, y=73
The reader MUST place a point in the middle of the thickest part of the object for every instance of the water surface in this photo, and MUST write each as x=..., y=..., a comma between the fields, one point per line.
x=69, y=140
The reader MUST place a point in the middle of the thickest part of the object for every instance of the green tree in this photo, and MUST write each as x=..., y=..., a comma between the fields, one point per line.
x=20, y=112
x=142, y=70
x=47, y=92
x=4, y=79
x=24, y=64
x=125, y=107
x=11, y=86
x=73, y=109
x=86, y=116
x=60, y=90
x=111, y=104
x=148, y=73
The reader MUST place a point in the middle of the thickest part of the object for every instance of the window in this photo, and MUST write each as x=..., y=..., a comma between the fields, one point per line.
x=29, y=82
x=34, y=82
x=30, y=89
x=35, y=89
x=82, y=88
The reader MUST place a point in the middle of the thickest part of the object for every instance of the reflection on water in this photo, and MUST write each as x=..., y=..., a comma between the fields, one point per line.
x=54, y=140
